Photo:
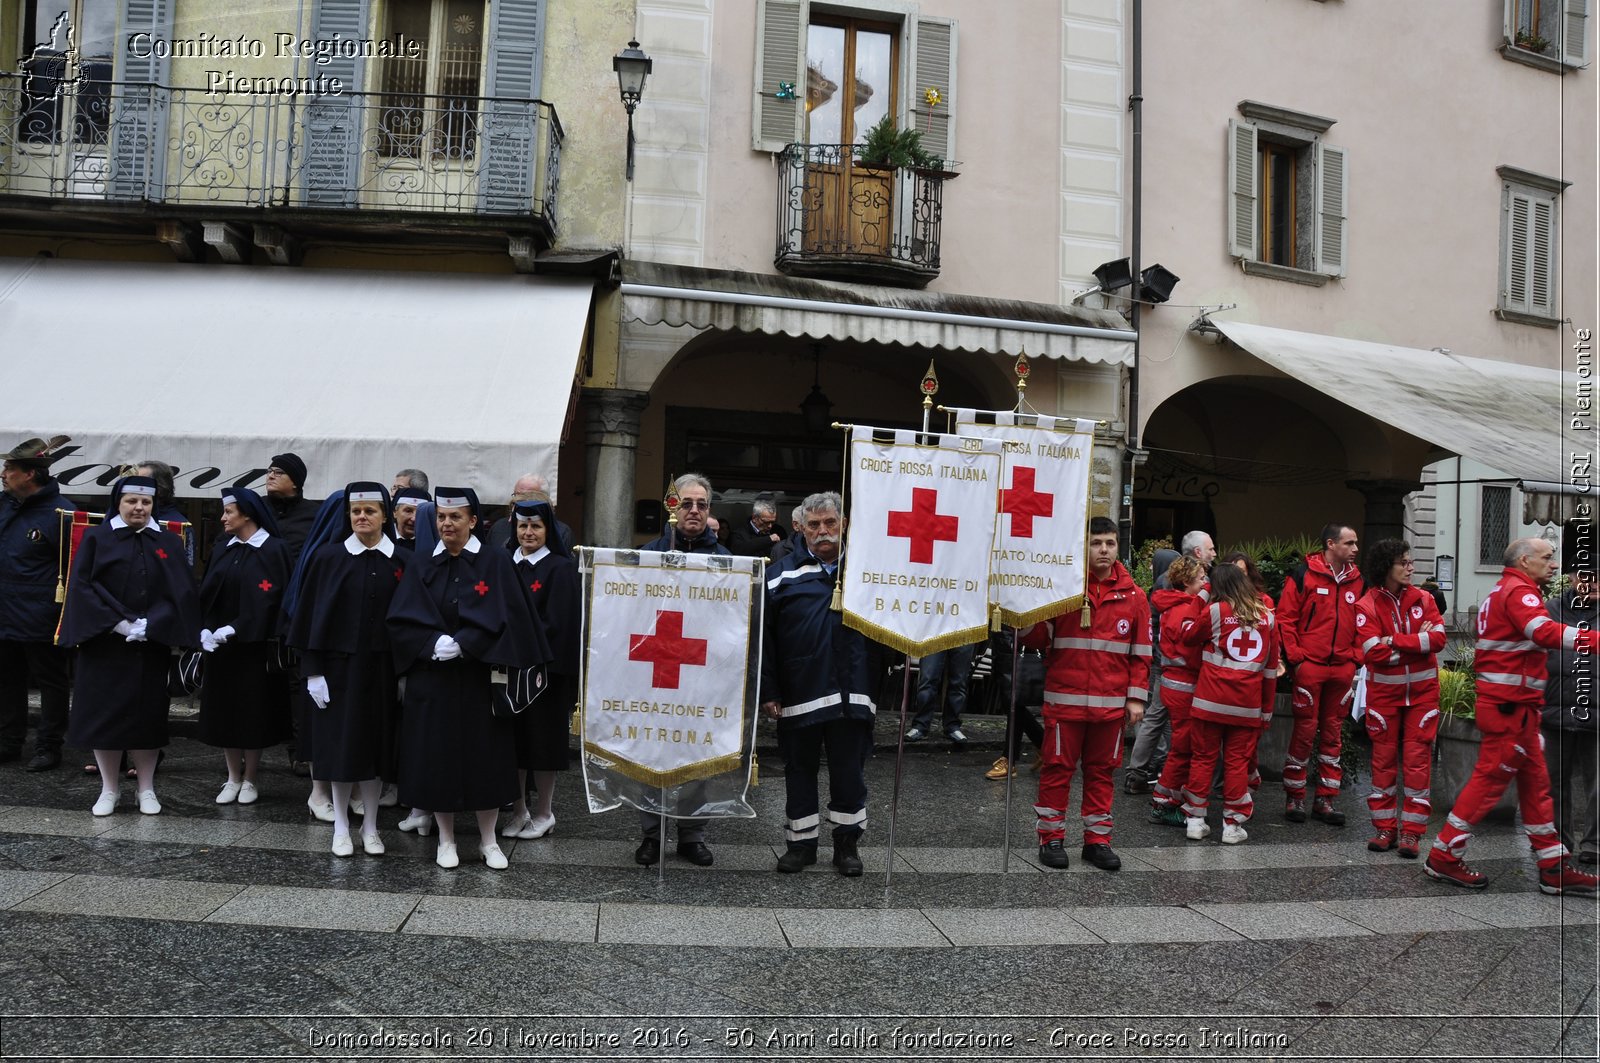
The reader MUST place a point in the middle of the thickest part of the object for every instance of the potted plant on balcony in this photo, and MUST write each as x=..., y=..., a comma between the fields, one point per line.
x=1532, y=42
x=887, y=148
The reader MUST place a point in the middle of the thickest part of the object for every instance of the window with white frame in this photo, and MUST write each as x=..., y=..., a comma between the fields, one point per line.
x=1552, y=34
x=429, y=102
x=1494, y=524
x=1288, y=191
x=1529, y=224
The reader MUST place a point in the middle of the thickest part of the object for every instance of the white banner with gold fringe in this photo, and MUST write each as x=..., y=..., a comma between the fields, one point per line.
x=919, y=538
x=1039, y=555
x=670, y=669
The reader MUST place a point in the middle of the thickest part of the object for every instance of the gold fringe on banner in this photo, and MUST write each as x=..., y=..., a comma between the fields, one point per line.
x=705, y=769
x=1043, y=612
x=896, y=641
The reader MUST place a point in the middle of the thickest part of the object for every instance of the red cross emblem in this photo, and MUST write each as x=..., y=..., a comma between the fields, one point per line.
x=398, y=573
x=667, y=650
x=923, y=525
x=1024, y=503
x=536, y=586
x=162, y=554
x=1243, y=644
x=481, y=587
x=265, y=585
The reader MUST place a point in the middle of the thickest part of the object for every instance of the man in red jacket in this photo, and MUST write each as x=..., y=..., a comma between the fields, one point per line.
x=1514, y=631
x=1317, y=622
x=1097, y=675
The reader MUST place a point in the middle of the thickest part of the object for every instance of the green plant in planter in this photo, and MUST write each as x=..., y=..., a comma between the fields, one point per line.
x=1276, y=557
x=889, y=148
x=1144, y=573
x=1532, y=42
x=1458, y=693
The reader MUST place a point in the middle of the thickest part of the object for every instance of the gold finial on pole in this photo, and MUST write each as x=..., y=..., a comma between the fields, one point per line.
x=1022, y=370
x=929, y=388
x=670, y=500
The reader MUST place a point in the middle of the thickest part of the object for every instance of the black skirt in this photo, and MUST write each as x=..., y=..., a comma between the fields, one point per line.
x=455, y=755
x=242, y=704
x=541, y=731
x=355, y=737
x=119, y=695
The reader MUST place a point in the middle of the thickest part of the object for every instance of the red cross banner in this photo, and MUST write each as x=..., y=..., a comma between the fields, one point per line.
x=918, y=541
x=1039, y=552
x=670, y=668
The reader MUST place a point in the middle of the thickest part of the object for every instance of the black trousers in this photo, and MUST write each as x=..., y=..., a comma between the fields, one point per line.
x=46, y=665
x=849, y=743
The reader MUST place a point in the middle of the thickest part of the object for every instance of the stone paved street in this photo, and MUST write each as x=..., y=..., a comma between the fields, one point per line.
x=231, y=932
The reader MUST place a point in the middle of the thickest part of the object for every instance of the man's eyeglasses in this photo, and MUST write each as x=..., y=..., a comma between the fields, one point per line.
x=275, y=471
x=694, y=503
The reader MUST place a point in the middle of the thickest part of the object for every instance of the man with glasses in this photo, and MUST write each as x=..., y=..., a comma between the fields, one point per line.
x=692, y=535
x=286, y=476
x=757, y=536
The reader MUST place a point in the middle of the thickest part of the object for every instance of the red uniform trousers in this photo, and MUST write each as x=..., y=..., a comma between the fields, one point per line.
x=1067, y=742
x=1503, y=756
x=1235, y=743
x=1402, y=735
x=1168, y=791
x=1319, y=712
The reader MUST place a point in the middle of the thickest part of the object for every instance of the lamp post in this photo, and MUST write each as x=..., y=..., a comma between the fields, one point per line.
x=632, y=67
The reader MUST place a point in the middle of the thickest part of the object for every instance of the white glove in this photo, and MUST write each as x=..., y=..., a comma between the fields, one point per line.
x=446, y=649
x=125, y=629
x=317, y=687
x=139, y=627
x=208, y=641
x=223, y=634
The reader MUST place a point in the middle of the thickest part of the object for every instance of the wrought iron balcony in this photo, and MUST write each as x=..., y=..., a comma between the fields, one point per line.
x=840, y=218
x=97, y=140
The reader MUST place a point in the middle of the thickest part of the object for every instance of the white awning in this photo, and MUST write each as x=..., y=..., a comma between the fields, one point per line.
x=776, y=305
x=1505, y=415
x=214, y=369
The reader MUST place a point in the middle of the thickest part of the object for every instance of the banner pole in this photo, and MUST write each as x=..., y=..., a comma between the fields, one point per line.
x=661, y=841
x=899, y=762
x=1012, y=749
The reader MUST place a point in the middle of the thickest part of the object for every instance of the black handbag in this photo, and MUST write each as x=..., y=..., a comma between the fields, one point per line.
x=516, y=690
x=186, y=673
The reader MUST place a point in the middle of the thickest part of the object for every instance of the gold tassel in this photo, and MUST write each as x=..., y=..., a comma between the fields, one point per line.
x=838, y=597
x=576, y=726
x=61, y=591
x=755, y=770
x=994, y=619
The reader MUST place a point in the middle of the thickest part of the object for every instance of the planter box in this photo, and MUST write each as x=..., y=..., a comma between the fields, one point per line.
x=1455, y=754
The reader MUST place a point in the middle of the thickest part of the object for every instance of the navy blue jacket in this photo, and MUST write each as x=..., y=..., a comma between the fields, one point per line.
x=30, y=543
x=705, y=544
x=811, y=664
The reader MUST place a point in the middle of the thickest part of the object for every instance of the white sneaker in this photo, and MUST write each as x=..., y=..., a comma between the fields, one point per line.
x=372, y=844
x=513, y=828
x=390, y=796
x=229, y=793
x=321, y=810
x=248, y=793
x=494, y=857
x=342, y=845
x=447, y=855
x=148, y=803
x=1196, y=828
x=107, y=803
x=1232, y=834
x=538, y=826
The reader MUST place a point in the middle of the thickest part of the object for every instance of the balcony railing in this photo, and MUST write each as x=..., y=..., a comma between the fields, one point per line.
x=101, y=140
x=838, y=217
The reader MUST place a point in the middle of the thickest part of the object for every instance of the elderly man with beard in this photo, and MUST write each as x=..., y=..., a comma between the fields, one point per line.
x=817, y=679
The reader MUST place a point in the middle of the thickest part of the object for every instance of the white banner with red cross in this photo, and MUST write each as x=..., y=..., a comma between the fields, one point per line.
x=1039, y=555
x=669, y=674
x=919, y=538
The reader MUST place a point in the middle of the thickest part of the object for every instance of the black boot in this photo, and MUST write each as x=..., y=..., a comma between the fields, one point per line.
x=845, y=857
x=797, y=857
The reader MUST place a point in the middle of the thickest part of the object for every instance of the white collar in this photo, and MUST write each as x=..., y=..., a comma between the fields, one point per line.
x=533, y=558
x=356, y=549
x=117, y=522
x=261, y=536
x=472, y=547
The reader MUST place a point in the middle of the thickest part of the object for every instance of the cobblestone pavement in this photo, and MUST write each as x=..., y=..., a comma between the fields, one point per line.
x=231, y=932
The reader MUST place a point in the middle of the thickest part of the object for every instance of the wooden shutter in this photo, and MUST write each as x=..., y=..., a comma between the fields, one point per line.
x=333, y=123
x=1575, y=32
x=138, y=154
x=1519, y=207
x=1330, y=246
x=1243, y=216
x=780, y=59
x=933, y=65
x=1541, y=256
x=515, y=75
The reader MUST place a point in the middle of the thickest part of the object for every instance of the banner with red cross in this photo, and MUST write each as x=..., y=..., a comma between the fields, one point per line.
x=918, y=540
x=1039, y=554
x=669, y=672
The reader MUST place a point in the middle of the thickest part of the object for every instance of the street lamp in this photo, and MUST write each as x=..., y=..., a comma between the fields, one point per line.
x=632, y=67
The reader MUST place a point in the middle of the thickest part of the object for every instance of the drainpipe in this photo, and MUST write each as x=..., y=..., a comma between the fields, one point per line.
x=1136, y=105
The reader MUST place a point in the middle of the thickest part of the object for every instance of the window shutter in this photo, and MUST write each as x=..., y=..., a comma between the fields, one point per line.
x=333, y=123
x=1575, y=33
x=1510, y=27
x=933, y=66
x=510, y=138
x=1541, y=256
x=1330, y=245
x=138, y=154
x=1517, y=240
x=780, y=59
x=1243, y=218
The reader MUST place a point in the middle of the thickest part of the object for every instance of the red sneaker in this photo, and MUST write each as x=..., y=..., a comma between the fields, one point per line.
x=1566, y=878
x=1454, y=870
x=1410, y=846
x=1381, y=842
